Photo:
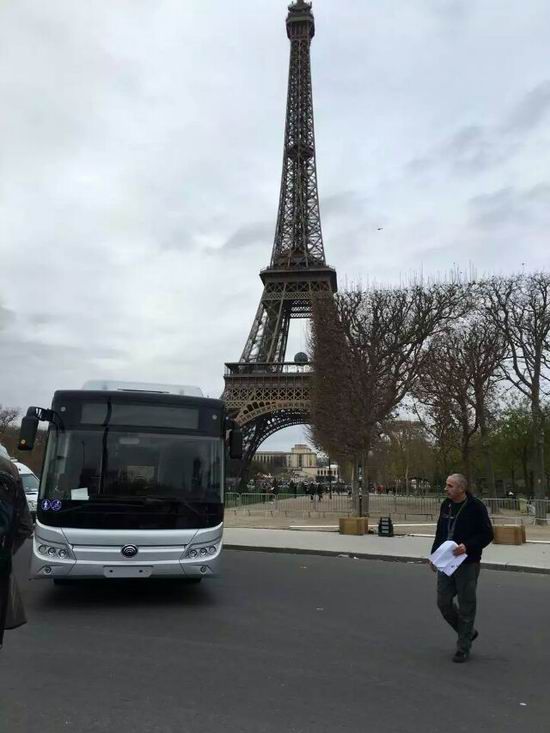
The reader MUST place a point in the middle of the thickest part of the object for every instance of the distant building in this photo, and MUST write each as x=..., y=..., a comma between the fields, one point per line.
x=300, y=456
x=302, y=463
x=272, y=459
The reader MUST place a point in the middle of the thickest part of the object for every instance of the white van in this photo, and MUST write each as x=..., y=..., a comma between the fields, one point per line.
x=30, y=484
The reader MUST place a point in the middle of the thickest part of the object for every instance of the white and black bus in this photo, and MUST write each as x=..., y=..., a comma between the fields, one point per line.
x=132, y=484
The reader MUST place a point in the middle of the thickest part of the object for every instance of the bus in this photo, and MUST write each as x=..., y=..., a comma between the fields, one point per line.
x=132, y=484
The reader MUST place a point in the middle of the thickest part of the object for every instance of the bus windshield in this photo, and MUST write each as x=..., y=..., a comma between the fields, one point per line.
x=110, y=464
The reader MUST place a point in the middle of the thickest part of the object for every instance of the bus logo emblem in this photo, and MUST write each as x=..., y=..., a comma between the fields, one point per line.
x=129, y=551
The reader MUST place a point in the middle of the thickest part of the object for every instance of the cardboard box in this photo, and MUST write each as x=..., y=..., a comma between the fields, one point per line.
x=354, y=525
x=509, y=534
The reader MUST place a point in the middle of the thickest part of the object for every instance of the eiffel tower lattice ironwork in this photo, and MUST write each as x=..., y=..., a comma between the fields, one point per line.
x=263, y=392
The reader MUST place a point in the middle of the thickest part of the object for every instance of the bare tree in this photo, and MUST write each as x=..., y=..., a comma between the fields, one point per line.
x=444, y=390
x=461, y=372
x=519, y=308
x=8, y=415
x=368, y=350
x=486, y=350
x=407, y=450
x=333, y=410
x=440, y=425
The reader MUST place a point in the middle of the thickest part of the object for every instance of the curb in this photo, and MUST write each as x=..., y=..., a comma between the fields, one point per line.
x=386, y=558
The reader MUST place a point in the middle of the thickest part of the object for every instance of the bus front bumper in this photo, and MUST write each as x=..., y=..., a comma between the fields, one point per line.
x=54, y=557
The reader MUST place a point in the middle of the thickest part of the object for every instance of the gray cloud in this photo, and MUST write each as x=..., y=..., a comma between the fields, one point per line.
x=30, y=368
x=141, y=162
x=531, y=110
x=6, y=317
x=40, y=319
x=257, y=234
x=342, y=203
x=477, y=148
x=472, y=149
x=508, y=206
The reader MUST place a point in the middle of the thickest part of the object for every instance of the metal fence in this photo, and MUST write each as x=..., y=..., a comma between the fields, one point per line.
x=408, y=508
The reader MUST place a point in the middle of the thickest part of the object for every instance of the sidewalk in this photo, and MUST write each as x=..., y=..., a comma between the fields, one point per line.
x=329, y=522
x=533, y=558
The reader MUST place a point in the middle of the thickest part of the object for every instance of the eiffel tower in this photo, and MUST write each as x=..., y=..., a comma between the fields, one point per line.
x=263, y=392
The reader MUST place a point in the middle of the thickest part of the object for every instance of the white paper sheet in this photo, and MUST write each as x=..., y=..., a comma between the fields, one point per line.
x=444, y=560
x=80, y=494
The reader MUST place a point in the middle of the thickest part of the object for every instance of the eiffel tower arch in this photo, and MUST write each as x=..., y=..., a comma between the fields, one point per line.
x=264, y=392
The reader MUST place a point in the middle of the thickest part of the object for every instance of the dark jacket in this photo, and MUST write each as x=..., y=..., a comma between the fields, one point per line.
x=472, y=528
x=12, y=494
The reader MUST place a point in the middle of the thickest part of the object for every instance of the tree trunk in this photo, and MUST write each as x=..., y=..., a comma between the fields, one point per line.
x=486, y=450
x=365, y=459
x=526, y=481
x=540, y=474
x=466, y=462
x=355, y=485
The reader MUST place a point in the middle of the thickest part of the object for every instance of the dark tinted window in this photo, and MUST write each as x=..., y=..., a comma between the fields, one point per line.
x=29, y=481
x=85, y=464
x=154, y=416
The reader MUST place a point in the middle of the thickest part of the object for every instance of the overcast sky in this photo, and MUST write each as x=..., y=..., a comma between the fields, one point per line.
x=140, y=160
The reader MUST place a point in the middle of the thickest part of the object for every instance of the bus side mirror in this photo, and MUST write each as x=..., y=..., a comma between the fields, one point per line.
x=236, y=443
x=27, y=433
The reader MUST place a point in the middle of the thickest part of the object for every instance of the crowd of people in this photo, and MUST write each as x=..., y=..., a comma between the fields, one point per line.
x=314, y=489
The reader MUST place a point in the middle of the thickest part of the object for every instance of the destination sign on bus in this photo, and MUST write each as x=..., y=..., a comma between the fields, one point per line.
x=135, y=415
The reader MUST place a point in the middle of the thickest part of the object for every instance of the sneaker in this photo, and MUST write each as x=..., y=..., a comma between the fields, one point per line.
x=461, y=657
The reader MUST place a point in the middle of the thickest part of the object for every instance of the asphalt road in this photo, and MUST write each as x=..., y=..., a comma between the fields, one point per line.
x=279, y=644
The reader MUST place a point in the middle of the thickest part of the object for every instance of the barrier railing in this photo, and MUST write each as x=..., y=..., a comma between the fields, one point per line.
x=407, y=508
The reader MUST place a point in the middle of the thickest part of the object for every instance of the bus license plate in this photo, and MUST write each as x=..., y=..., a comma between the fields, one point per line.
x=127, y=572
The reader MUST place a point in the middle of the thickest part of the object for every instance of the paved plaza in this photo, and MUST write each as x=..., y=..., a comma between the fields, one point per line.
x=280, y=642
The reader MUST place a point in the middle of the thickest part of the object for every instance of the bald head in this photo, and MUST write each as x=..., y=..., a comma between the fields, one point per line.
x=456, y=487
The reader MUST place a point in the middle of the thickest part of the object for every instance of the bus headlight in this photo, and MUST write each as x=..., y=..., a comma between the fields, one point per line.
x=201, y=551
x=58, y=552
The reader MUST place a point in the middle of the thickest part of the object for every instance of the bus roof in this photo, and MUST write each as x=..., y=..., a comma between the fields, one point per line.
x=108, y=385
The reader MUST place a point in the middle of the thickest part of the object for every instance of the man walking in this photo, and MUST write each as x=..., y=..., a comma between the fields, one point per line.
x=463, y=519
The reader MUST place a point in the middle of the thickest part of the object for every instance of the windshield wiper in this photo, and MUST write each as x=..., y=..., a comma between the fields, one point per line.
x=98, y=502
x=97, y=505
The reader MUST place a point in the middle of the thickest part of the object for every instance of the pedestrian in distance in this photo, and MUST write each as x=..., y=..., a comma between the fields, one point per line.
x=320, y=491
x=464, y=519
x=15, y=527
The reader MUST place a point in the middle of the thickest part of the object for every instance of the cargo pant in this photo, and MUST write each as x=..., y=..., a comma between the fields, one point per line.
x=462, y=584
